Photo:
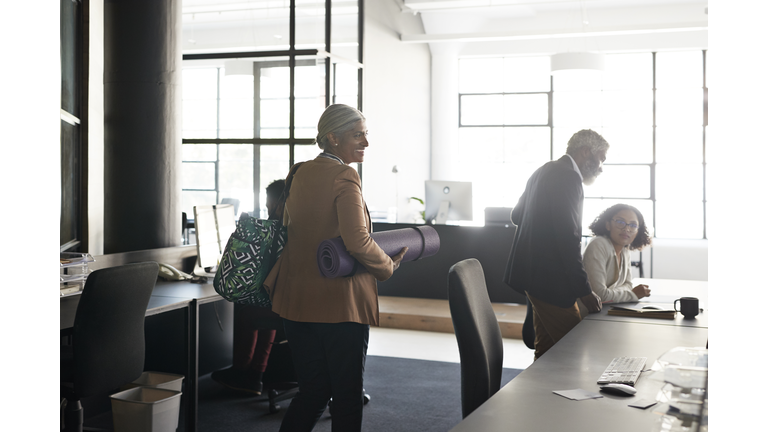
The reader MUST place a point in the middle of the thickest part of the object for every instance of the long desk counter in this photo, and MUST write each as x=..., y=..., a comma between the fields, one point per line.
x=527, y=403
x=166, y=297
x=664, y=292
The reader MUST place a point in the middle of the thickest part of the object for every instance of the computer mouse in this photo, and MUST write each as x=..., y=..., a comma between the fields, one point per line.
x=618, y=389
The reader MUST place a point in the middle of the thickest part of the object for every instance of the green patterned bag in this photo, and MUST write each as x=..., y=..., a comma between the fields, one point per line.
x=251, y=252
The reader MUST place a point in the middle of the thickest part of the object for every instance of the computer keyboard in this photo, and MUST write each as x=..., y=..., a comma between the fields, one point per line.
x=623, y=370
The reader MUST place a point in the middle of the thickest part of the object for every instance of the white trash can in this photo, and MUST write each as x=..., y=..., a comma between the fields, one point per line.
x=158, y=380
x=147, y=409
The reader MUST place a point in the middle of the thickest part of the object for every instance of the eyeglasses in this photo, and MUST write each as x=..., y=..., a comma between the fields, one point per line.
x=621, y=224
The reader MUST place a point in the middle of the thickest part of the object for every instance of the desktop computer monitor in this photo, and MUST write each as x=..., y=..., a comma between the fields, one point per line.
x=447, y=200
x=214, y=224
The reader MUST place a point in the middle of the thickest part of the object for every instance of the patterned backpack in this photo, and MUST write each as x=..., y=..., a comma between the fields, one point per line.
x=251, y=252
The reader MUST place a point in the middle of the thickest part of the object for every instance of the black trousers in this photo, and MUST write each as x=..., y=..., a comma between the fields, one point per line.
x=329, y=360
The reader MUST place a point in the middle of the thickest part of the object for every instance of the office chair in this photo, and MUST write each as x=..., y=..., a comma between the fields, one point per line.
x=107, y=348
x=639, y=265
x=184, y=231
x=279, y=379
x=529, y=334
x=477, y=334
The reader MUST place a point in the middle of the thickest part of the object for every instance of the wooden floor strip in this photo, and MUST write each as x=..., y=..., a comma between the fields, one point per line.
x=435, y=315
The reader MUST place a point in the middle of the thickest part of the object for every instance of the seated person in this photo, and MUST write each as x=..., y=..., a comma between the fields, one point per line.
x=617, y=230
x=251, y=346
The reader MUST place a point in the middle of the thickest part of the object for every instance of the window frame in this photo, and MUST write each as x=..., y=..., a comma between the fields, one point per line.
x=292, y=53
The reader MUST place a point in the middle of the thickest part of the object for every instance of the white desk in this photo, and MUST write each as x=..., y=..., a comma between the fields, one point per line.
x=664, y=292
x=527, y=403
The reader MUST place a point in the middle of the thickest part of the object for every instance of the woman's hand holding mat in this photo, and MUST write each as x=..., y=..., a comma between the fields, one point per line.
x=334, y=260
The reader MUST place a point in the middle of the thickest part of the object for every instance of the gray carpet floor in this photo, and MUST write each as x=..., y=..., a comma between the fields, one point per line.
x=406, y=395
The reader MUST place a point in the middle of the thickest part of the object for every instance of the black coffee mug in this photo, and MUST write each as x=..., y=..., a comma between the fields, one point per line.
x=689, y=306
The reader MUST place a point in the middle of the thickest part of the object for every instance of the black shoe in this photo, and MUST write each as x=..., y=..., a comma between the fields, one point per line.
x=238, y=380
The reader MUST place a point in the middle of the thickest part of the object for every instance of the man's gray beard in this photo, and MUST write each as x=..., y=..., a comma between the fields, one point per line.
x=590, y=172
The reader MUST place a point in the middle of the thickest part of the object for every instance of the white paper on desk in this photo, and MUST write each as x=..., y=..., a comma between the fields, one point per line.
x=659, y=299
x=643, y=403
x=577, y=394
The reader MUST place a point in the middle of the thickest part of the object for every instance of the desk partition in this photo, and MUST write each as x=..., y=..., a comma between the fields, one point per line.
x=428, y=278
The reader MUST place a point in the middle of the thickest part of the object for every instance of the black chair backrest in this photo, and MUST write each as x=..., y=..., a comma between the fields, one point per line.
x=477, y=334
x=108, y=332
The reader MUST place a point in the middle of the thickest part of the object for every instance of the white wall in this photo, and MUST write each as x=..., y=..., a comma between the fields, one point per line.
x=396, y=104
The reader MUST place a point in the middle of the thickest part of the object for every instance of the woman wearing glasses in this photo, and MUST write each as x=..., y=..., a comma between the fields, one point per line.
x=617, y=230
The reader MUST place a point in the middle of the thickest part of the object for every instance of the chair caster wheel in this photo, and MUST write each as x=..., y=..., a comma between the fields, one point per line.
x=273, y=407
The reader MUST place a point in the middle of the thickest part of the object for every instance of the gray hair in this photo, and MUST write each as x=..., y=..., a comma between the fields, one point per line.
x=336, y=119
x=586, y=138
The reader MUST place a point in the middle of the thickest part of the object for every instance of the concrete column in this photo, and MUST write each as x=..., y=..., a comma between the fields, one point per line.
x=142, y=124
x=445, y=111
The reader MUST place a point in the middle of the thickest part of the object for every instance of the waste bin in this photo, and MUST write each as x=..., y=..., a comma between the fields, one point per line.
x=147, y=409
x=158, y=380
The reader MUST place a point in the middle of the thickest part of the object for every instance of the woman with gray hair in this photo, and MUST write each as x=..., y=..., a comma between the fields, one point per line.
x=327, y=321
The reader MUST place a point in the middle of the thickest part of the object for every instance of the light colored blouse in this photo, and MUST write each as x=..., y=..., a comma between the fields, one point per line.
x=609, y=279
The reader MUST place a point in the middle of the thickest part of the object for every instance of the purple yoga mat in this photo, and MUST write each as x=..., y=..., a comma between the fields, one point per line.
x=334, y=260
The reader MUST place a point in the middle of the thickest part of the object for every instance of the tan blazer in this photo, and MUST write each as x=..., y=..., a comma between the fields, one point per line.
x=326, y=201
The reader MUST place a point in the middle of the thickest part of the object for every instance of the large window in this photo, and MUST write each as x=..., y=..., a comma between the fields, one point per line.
x=249, y=115
x=651, y=108
x=233, y=110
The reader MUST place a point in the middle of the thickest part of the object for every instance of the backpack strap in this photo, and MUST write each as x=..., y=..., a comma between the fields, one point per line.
x=286, y=191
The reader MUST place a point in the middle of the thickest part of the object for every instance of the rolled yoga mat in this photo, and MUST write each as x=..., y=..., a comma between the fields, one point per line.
x=334, y=260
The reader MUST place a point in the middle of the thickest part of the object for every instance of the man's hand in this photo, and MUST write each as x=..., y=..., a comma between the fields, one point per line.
x=592, y=302
x=398, y=258
x=641, y=291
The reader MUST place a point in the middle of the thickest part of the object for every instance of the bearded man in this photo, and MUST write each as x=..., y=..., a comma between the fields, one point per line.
x=545, y=263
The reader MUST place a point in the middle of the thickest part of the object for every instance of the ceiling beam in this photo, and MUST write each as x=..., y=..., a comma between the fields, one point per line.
x=506, y=36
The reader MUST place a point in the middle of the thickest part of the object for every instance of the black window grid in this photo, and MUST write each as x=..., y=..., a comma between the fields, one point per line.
x=291, y=141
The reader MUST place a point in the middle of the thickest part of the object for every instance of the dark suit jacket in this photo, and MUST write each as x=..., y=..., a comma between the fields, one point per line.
x=546, y=255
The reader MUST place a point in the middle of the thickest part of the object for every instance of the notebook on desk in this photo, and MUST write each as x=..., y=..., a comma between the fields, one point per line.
x=640, y=312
